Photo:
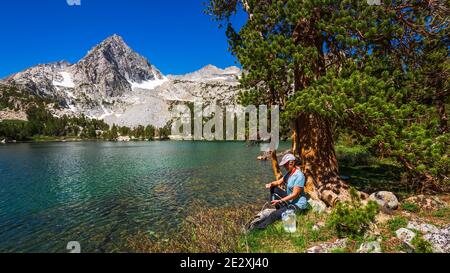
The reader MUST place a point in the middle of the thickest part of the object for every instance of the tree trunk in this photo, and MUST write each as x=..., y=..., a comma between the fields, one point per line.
x=314, y=146
x=313, y=140
x=443, y=118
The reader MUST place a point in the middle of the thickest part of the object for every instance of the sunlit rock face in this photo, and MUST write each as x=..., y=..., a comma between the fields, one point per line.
x=116, y=84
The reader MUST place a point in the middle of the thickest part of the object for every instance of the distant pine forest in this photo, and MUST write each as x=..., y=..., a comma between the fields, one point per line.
x=41, y=124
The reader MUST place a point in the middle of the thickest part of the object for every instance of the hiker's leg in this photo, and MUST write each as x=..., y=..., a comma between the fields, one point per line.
x=272, y=218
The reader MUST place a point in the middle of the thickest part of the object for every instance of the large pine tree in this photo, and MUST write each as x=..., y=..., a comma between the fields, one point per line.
x=379, y=72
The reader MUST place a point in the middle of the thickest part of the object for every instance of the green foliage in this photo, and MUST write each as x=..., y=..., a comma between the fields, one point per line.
x=381, y=73
x=112, y=134
x=206, y=230
x=42, y=124
x=14, y=98
x=421, y=245
x=149, y=133
x=165, y=132
x=124, y=131
x=352, y=218
x=354, y=156
x=339, y=250
x=411, y=207
x=12, y=129
x=442, y=213
x=396, y=223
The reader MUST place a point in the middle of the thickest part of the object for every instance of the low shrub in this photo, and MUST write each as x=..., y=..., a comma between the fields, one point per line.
x=421, y=245
x=352, y=218
x=354, y=156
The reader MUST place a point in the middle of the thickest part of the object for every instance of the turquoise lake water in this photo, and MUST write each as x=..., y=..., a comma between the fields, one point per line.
x=100, y=193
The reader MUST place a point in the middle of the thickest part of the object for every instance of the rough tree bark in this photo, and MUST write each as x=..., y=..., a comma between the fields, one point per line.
x=313, y=144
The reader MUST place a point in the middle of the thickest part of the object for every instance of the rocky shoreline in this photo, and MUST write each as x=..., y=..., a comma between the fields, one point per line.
x=416, y=226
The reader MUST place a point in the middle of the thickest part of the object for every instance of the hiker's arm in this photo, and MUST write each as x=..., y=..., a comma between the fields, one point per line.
x=295, y=193
x=275, y=183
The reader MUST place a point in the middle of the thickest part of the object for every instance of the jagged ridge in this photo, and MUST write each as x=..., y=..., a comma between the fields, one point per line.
x=114, y=83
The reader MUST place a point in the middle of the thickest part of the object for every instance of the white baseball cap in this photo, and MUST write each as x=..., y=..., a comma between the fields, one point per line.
x=287, y=158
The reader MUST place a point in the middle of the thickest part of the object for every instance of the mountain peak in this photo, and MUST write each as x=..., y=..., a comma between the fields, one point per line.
x=114, y=66
x=114, y=39
x=112, y=43
x=210, y=67
x=211, y=73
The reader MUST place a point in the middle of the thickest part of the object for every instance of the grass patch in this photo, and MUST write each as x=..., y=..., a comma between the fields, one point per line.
x=411, y=207
x=209, y=230
x=339, y=250
x=392, y=245
x=271, y=240
x=40, y=138
x=421, y=245
x=396, y=223
x=220, y=230
x=441, y=213
x=275, y=240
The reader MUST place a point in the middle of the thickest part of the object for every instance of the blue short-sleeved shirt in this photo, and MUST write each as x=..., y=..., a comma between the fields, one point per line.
x=296, y=180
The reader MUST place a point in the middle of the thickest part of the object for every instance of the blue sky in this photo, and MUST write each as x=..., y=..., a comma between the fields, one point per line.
x=175, y=35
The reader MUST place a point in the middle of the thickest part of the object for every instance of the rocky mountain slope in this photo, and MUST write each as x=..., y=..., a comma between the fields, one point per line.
x=116, y=84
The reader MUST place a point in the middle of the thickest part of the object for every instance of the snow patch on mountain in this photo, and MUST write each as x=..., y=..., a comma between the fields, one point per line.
x=67, y=80
x=112, y=82
x=211, y=73
x=148, y=85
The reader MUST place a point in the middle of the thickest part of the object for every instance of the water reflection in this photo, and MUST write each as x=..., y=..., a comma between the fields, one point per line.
x=100, y=193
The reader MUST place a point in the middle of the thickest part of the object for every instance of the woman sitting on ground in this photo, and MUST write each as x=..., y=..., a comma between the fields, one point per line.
x=293, y=198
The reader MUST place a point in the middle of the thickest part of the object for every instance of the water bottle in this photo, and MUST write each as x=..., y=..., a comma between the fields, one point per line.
x=289, y=221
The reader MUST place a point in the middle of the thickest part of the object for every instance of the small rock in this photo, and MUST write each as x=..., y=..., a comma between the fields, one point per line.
x=427, y=202
x=328, y=247
x=422, y=227
x=123, y=139
x=317, y=206
x=373, y=231
x=262, y=158
x=405, y=235
x=445, y=230
x=406, y=214
x=370, y=247
x=315, y=249
x=409, y=247
x=440, y=241
x=385, y=199
x=382, y=218
x=318, y=226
